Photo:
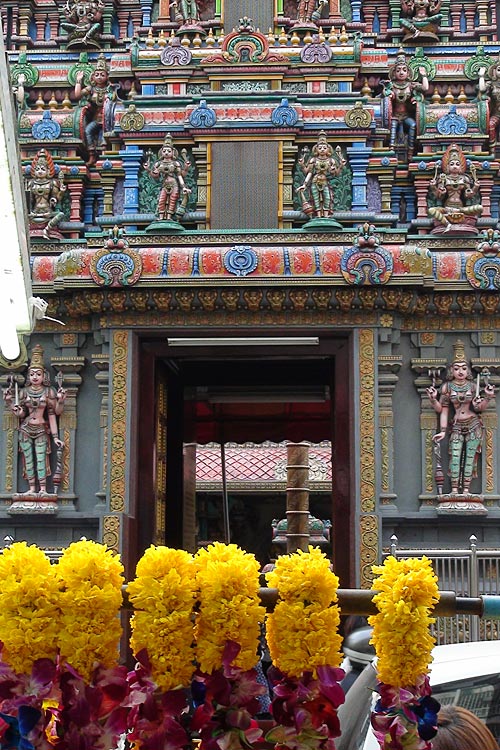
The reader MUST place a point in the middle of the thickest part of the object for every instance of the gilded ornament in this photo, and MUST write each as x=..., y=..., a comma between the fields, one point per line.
x=132, y=119
x=358, y=116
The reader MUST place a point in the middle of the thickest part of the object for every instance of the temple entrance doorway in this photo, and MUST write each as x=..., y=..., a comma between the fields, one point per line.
x=215, y=418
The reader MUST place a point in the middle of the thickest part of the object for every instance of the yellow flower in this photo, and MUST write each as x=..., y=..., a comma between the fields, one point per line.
x=163, y=595
x=407, y=592
x=302, y=631
x=29, y=606
x=92, y=579
x=229, y=605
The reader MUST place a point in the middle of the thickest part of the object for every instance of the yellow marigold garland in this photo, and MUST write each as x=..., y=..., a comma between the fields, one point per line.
x=302, y=631
x=163, y=595
x=408, y=591
x=29, y=613
x=92, y=577
x=230, y=610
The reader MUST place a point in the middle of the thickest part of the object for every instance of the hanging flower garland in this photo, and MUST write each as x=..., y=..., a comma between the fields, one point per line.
x=29, y=611
x=405, y=715
x=303, y=639
x=92, y=579
x=225, y=688
x=29, y=624
x=94, y=691
x=163, y=597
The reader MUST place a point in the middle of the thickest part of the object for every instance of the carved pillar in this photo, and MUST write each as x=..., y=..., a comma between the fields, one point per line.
x=288, y=156
x=9, y=445
x=53, y=21
x=132, y=158
x=428, y=423
x=386, y=180
x=359, y=155
x=486, y=188
x=101, y=363
x=25, y=16
x=70, y=365
x=75, y=188
x=146, y=7
x=388, y=368
x=200, y=159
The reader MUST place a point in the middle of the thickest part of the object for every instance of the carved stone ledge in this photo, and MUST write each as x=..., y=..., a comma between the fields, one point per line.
x=457, y=503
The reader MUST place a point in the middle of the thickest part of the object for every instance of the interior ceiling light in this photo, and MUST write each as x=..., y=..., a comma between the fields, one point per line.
x=247, y=341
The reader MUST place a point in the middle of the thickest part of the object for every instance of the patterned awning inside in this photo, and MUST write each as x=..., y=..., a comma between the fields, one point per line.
x=252, y=466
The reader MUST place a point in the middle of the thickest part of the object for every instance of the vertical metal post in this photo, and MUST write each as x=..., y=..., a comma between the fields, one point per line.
x=474, y=586
x=225, y=499
x=297, y=497
x=394, y=545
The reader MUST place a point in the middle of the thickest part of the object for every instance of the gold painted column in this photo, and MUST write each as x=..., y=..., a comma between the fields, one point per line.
x=112, y=528
x=368, y=519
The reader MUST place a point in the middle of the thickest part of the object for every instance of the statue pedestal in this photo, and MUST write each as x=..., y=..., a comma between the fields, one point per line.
x=164, y=227
x=44, y=503
x=321, y=224
x=459, y=503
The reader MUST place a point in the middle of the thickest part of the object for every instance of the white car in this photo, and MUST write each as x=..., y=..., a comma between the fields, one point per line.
x=463, y=674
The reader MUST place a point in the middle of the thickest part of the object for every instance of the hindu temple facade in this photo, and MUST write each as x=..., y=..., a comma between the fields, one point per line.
x=257, y=222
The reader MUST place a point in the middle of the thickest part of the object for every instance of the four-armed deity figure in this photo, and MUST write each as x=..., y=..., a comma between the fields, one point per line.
x=45, y=189
x=401, y=96
x=454, y=189
x=316, y=192
x=98, y=112
x=174, y=195
x=492, y=89
x=461, y=400
x=37, y=407
x=83, y=21
x=422, y=19
x=186, y=12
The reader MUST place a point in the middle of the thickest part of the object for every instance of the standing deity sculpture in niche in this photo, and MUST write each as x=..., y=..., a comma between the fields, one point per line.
x=186, y=12
x=400, y=95
x=492, y=90
x=316, y=191
x=45, y=188
x=460, y=401
x=37, y=407
x=83, y=22
x=310, y=11
x=456, y=193
x=422, y=19
x=97, y=114
x=170, y=171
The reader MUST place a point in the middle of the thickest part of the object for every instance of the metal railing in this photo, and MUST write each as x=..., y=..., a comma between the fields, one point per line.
x=468, y=572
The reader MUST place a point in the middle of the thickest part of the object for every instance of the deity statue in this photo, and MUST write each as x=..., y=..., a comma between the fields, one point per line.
x=168, y=169
x=83, y=22
x=463, y=402
x=423, y=19
x=309, y=11
x=45, y=189
x=492, y=90
x=99, y=107
x=186, y=12
x=400, y=94
x=454, y=189
x=37, y=407
x=316, y=192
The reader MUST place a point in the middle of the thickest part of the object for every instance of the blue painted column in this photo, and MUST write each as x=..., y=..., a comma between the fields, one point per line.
x=131, y=159
x=359, y=155
x=89, y=198
x=146, y=6
x=356, y=10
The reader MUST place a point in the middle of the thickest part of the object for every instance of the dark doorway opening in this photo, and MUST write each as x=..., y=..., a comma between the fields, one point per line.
x=239, y=395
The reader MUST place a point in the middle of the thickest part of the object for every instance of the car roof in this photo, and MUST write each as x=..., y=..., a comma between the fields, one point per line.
x=458, y=661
